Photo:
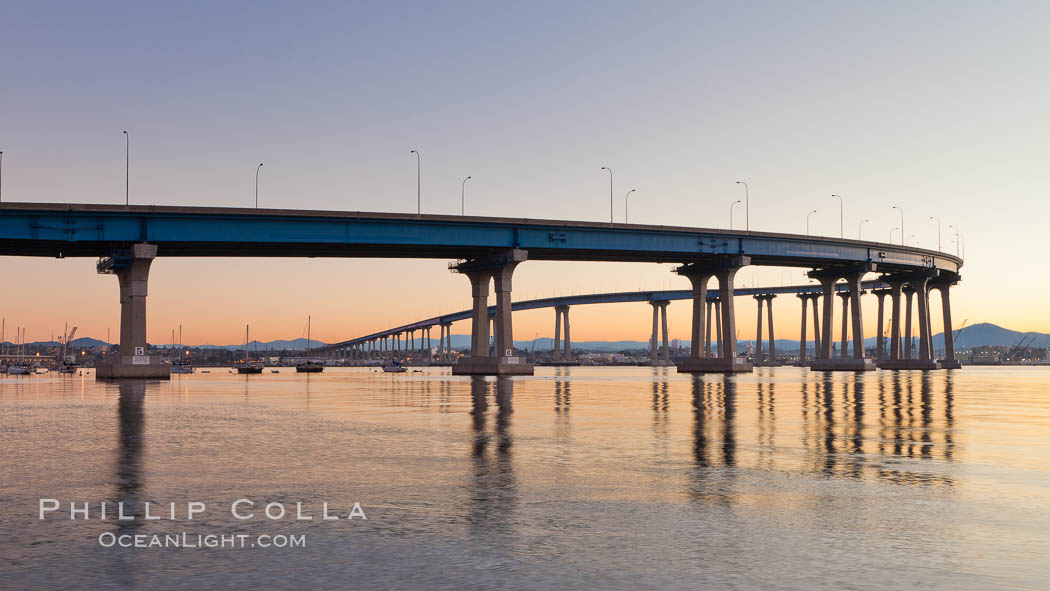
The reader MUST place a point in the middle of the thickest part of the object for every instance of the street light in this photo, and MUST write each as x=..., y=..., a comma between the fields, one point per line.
x=731, y=206
x=257, y=185
x=625, y=204
x=807, y=220
x=747, y=206
x=932, y=217
x=860, y=227
x=610, y=193
x=891, y=234
x=127, y=166
x=911, y=237
x=950, y=227
x=902, y=223
x=842, y=232
x=419, y=208
x=463, y=196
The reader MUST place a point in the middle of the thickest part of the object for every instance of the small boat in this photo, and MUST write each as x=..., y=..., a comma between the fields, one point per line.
x=205, y=371
x=67, y=369
x=309, y=366
x=20, y=368
x=394, y=367
x=274, y=371
x=247, y=367
x=179, y=365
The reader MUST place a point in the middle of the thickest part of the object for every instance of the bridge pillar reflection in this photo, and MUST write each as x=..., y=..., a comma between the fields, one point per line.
x=131, y=265
x=499, y=268
x=699, y=274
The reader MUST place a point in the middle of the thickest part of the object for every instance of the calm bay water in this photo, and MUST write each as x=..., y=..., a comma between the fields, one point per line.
x=577, y=478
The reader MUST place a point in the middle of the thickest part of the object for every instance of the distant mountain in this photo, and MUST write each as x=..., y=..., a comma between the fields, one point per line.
x=279, y=345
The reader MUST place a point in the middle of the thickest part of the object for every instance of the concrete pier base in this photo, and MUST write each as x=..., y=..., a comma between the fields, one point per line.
x=950, y=364
x=118, y=371
x=714, y=365
x=839, y=364
x=767, y=363
x=492, y=366
x=909, y=364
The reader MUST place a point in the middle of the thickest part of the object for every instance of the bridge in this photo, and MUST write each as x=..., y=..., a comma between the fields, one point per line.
x=389, y=341
x=127, y=239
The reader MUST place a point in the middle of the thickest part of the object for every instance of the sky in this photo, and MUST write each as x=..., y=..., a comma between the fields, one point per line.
x=936, y=107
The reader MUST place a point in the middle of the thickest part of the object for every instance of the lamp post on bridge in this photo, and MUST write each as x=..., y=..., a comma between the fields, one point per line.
x=891, y=234
x=731, y=205
x=938, y=220
x=842, y=232
x=902, y=223
x=950, y=227
x=807, y=220
x=127, y=167
x=625, y=199
x=419, y=208
x=463, y=196
x=257, y=168
x=610, y=193
x=747, y=206
x=860, y=227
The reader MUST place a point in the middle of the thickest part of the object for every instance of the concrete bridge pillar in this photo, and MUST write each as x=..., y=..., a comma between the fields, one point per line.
x=949, y=361
x=659, y=355
x=880, y=337
x=758, y=328
x=772, y=336
x=707, y=329
x=816, y=325
x=718, y=328
x=923, y=299
x=845, y=323
x=895, y=320
x=908, y=340
x=556, y=350
x=499, y=267
x=131, y=266
x=802, y=335
x=565, y=351
x=699, y=274
x=851, y=314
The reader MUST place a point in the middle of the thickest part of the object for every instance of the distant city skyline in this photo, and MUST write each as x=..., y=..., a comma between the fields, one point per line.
x=934, y=108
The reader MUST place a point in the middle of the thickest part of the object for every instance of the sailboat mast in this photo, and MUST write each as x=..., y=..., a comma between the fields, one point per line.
x=307, y=337
x=246, y=344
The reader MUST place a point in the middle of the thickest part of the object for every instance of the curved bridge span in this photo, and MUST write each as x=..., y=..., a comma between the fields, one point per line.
x=128, y=238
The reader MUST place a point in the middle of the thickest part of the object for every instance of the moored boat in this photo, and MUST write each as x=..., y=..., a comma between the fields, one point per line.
x=309, y=366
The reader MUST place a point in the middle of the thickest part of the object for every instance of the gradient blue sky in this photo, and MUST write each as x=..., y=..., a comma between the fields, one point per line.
x=940, y=107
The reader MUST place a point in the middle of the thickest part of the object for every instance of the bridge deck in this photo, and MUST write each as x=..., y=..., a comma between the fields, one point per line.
x=42, y=229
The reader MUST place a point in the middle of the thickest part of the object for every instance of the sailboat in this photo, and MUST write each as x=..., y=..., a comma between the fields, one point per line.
x=245, y=366
x=69, y=360
x=179, y=365
x=20, y=368
x=309, y=366
x=3, y=346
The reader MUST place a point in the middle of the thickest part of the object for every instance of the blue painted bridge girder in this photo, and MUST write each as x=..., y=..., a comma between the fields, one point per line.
x=42, y=229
